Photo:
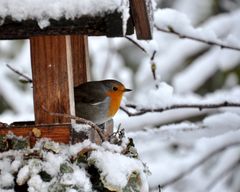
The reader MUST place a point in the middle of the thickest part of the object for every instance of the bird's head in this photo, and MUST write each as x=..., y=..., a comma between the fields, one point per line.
x=115, y=90
x=114, y=87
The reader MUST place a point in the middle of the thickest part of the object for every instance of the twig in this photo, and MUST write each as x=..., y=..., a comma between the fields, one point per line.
x=135, y=43
x=80, y=120
x=28, y=79
x=159, y=188
x=153, y=55
x=202, y=160
x=141, y=111
x=154, y=67
x=184, y=36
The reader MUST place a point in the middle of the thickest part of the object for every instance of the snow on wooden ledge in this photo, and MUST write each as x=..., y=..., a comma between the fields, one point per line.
x=20, y=19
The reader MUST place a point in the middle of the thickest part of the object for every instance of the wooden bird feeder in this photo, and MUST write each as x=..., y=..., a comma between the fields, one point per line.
x=59, y=60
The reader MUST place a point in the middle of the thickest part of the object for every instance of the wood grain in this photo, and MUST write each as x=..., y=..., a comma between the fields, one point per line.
x=142, y=15
x=59, y=133
x=52, y=78
x=80, y=58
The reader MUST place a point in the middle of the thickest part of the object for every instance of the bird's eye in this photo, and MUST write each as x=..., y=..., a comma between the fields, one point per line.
x=115, y=88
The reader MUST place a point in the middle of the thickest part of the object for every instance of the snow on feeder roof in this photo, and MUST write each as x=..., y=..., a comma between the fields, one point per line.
x=21, y=19
x=43, y=10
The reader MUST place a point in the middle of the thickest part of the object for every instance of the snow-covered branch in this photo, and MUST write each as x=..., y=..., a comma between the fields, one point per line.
x=185, y=36
x=140, y=111
x=201, y=160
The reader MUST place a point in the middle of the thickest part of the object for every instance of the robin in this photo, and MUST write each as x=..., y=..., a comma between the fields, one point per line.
x=98, y=101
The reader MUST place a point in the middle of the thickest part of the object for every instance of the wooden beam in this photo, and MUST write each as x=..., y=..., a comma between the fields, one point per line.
x=80, y=58
x=142, y=15
x=62, y=133
x=109, y=25
x=59, y=133
x=52, y=78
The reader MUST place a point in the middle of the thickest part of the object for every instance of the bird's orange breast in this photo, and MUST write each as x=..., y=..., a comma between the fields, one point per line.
x=115, y=100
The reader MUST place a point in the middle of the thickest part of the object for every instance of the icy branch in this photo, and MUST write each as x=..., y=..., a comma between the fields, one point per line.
x=185, y=36
x=141, y=111
x=137, y=44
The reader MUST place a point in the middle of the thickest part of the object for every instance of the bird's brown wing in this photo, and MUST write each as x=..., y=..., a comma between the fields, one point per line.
x=89, y=93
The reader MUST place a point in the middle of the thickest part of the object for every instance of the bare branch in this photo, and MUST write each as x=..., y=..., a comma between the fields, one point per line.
x=79, y=120
x=184, y=36
x=153, y=55
x=202, y=160
x=135, y=43
x=140, y=111
x=153, y=65
x=28, y=79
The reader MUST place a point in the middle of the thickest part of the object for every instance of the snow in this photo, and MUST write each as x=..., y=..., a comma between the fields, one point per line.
x=173, y=20
x=43, y=10
x=36, y=184
x=232, y=162
x=6, y=179
x=79, y=178
x=171, y=59
x=170, y=142
x=196, y=11
x=81, y=127
x=74, y=149
x=67, y=171
x=125, y=14
x=194, y=145
x=164, y=96
x=116, y=169
x=53, y=163
x=195, y=72
x=23, y=175
x=23, y=108
x=219, y=120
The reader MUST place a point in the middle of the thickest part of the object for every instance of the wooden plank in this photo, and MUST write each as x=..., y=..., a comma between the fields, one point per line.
x=52, y=78
x=59, y=133
x=142, y=14
x=109, y=24
x=62, y=133
x=80, y=58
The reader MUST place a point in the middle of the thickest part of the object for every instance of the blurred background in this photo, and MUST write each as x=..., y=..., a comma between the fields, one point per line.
x=169, y=142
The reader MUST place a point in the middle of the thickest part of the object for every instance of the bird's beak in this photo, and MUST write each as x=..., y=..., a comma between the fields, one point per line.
x=127, y=90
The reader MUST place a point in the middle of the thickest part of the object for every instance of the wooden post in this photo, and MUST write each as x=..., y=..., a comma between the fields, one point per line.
x=80, y=58
x=142, y=15
x=52, y=78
